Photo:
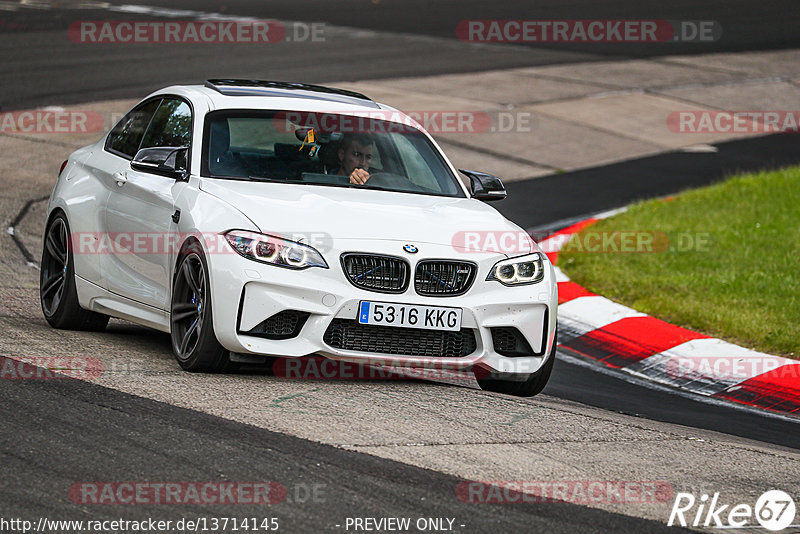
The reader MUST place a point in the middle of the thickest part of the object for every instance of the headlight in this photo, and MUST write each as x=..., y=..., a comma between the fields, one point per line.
x=518, y=271
x=274, y=250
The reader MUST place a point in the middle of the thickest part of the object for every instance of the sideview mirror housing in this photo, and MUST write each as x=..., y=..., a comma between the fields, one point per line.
x=165, y=161
x=486, y=187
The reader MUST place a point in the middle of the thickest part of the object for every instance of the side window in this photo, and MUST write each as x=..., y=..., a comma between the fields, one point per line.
x=127, y=135
x=171, y=126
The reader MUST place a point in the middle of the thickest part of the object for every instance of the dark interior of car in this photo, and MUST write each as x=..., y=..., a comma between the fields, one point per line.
x=287, y=161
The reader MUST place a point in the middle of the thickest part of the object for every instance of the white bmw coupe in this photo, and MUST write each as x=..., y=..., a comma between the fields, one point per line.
x=255, y=220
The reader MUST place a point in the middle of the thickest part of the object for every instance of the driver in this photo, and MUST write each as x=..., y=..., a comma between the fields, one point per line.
x=355, y=156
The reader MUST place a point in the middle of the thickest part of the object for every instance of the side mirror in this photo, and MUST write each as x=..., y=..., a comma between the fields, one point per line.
x=166, y=161
x=486, y=187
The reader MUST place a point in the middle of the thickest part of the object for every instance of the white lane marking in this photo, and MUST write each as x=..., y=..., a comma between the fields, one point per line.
x=35, y=4
x=92, y=5
x=560, y=276
x=177, y=13
x=610, y=213
x=700, y=149
x=593, y=312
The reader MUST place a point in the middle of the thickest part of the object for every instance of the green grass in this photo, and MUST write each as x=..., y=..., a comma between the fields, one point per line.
x=741, y=282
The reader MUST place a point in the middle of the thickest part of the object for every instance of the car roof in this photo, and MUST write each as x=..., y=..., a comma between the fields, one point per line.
x=264, y=94
x=239, y=87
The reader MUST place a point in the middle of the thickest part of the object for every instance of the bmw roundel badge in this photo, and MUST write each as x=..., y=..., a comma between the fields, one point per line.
x=411, y=249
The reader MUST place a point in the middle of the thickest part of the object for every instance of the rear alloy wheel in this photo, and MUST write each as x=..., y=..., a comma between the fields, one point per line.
x=192, y=329
x=528, y=388
x=57, y=292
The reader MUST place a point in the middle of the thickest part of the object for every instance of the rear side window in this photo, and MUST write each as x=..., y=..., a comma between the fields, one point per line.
x=171, y=125
x=125, y=138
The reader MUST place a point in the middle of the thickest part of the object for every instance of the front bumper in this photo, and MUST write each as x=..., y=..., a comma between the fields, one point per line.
x=245, y=293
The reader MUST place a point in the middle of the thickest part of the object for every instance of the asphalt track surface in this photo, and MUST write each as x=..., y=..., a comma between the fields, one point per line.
x=43, y=65
x=59, y=431
x=56, y=432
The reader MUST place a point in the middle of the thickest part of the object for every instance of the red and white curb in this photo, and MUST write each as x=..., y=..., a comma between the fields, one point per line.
x=599, y=329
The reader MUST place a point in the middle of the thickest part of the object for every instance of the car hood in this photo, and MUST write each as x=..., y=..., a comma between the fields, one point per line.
x=348, y=213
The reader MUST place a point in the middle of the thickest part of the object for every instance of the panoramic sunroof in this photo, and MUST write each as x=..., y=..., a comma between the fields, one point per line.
x=235, y=87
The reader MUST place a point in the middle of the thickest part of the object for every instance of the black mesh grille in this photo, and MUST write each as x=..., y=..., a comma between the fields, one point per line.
x=385, y=274
x=349, y=335
x=509, y=341
x=443, y=278
x=283, y=325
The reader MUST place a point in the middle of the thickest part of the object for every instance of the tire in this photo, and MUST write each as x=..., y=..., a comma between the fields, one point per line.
x=194, y=343
x=528, y=388
x=58, y=295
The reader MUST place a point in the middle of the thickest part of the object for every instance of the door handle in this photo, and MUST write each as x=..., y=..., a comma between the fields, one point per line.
x=121, y=178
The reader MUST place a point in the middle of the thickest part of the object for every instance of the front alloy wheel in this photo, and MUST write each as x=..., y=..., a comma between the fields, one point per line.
x=192, y=329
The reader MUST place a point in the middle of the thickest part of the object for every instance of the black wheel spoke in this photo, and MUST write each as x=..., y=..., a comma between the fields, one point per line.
x=190, y=278
x=183, y=310
x=64, y=239
x=201, y=282
x=192, y=330
x=57, y=298
x=183, y=306
x=54, y=249
x=177, y=317
x=54, y=282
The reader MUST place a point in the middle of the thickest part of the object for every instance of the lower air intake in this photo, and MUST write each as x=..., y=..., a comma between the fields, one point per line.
x=283, y=325
x=509, y=341
x=347, y=334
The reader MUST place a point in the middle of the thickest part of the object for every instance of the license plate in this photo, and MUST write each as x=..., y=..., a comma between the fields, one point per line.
x=409, y=315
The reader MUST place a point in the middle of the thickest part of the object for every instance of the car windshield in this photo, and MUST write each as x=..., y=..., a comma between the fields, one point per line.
x=325, y=149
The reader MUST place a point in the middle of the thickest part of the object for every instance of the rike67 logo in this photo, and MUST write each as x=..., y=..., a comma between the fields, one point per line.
x=774, y=510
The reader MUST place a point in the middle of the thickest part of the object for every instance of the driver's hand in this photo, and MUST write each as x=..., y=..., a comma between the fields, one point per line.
x=359, y=176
